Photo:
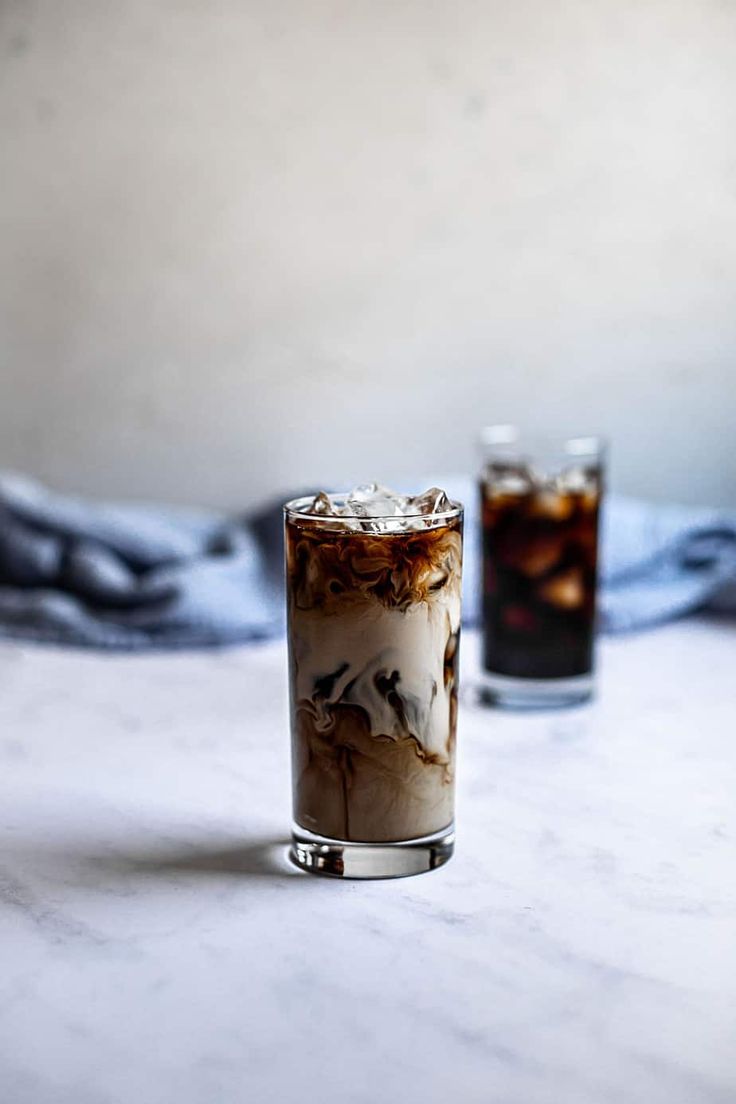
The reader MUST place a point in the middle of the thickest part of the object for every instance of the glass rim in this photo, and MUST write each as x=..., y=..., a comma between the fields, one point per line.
x=510, y=437
x=294, y=509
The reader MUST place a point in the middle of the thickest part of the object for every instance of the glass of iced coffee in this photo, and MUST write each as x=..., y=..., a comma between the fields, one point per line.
x=540, y=503
x=373, y=597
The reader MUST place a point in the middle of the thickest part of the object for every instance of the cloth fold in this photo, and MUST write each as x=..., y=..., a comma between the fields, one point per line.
x=139, y=577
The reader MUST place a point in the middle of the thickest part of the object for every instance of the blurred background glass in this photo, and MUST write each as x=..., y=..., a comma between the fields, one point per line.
x=225, y=225
x=540, y=506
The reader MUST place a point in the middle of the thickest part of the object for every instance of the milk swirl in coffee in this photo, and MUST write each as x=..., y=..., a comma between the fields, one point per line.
x=373, y=591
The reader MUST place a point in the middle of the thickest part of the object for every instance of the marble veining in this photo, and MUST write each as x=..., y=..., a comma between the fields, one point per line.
x=580, y=948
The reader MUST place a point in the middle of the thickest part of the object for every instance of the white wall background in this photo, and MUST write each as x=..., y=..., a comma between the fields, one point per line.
x=253, y=244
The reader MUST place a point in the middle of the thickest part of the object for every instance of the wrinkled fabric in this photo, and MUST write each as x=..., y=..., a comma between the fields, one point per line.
x=139, y=577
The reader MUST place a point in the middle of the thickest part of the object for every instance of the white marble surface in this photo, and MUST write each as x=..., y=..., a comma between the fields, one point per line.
x=579, y=949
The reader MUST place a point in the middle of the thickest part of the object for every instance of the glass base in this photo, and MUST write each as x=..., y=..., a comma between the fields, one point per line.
x=523, y=693
x=343, y=859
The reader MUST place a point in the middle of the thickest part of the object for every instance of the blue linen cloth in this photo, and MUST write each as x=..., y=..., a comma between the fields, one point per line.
x=140, y=577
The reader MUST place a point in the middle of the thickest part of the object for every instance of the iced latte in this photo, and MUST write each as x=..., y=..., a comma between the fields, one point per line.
x=373, y=594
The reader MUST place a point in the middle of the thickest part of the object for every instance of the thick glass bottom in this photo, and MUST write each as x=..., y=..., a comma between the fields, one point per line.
x=343, y=859
x=523, y=693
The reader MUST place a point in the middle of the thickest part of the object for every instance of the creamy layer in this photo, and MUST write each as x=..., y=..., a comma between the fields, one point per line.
x=389, y=663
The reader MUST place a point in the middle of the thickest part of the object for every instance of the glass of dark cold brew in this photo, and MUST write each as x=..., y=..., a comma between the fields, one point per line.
x=540, y=503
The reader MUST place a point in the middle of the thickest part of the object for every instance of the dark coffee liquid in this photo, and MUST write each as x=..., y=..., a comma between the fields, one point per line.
x=539, y=576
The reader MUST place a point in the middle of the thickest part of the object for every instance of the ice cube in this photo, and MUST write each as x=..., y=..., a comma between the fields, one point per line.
x=508, y=479
x=433, y=501
x=552, y=506
x=577, y=480
x=536, y=556
x=371, y=500
x=374, y=508
x=322, y=505
x=591, y=500
x=566, y=591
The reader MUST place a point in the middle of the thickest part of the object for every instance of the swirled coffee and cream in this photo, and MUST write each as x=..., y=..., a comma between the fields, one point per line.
x=373, y=592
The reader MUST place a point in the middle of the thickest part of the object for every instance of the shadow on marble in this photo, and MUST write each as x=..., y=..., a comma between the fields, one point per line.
x=73, y=861
x=256, y=858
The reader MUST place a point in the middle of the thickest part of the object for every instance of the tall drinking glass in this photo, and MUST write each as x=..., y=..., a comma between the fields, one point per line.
x=373, y=629
x=540, y=503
